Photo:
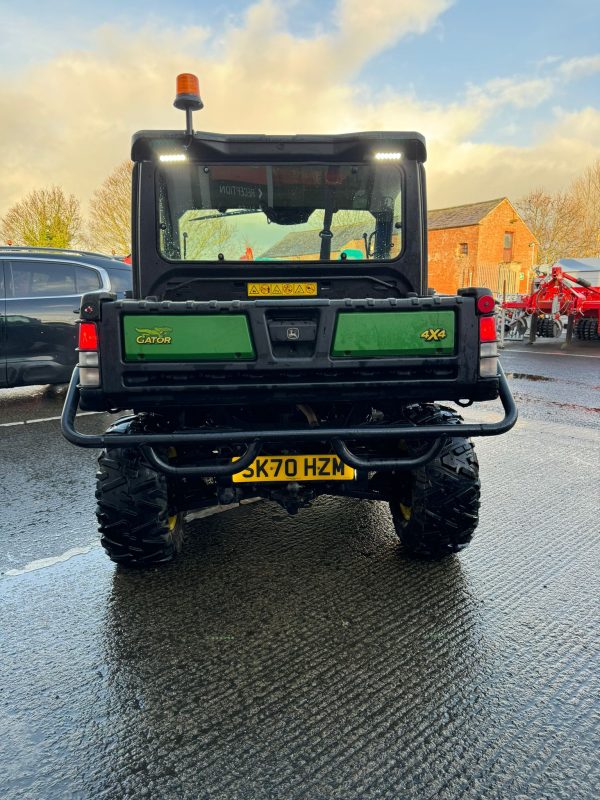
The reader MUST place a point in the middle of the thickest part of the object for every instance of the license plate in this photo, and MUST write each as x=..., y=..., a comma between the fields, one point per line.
x=270, y=469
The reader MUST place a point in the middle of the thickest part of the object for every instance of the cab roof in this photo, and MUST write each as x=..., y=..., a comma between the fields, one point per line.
x=344, y=147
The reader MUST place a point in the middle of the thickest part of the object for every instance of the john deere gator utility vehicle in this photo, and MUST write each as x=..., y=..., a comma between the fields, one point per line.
x=281, y=342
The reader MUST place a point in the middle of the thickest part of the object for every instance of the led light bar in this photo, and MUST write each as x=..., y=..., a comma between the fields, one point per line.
x=388, y=156
x=173, y=157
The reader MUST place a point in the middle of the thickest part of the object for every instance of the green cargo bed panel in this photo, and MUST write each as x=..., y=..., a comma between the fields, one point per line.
x=209, y=337
x=375, y=334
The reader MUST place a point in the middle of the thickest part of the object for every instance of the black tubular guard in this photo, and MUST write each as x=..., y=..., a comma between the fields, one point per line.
x=255, y=438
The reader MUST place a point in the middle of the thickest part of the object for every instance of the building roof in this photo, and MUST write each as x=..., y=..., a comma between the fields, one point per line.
x=461, y=216
x=307, y=242
x=580, y=264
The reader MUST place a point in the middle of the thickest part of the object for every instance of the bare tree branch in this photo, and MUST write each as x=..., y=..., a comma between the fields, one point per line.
x=109, y=227
x=566, y=224
x=200, y=239
x=586, y=195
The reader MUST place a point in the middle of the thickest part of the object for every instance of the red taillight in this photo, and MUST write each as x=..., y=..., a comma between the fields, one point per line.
x=486, y=304
x=88, y=336
x=487, y=329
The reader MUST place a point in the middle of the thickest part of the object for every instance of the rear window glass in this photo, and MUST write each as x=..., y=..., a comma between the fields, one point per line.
x=87, y=280
x=280, y=212
x=120, y=280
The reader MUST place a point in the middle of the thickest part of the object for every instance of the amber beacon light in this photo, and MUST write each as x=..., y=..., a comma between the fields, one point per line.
x=188, y=92
x=187, y=97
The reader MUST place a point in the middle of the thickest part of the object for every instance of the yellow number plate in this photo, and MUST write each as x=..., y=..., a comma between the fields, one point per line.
x=282, y=289
x=269, y=469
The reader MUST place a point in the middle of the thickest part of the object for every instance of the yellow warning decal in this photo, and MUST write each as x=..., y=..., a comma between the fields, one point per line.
x=282, y=290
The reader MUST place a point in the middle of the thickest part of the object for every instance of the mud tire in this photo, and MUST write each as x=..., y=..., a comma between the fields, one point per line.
x=138, y=527
x=586, y=329
x=435, y=509
x=548, y=329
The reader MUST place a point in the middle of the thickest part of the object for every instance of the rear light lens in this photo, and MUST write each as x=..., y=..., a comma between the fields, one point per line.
x=88, y=358
x=88, y=336
x=89, y=377
x=488, y=347
x=486, y=304
x=89, y=372
x=487, y=329
x=488, y=367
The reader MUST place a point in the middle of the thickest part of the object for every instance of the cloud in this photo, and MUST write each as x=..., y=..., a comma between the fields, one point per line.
x=69, y=122
x=367, y=27
x=515, y=91
x=579, y=67
x=477, y=171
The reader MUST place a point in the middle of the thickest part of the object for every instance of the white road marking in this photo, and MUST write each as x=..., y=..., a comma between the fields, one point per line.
x=542, y=353
x=43, y=563
x=45, y=419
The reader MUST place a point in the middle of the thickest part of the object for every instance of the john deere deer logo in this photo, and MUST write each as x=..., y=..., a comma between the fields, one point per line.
x=153, y=335
x=434, y=334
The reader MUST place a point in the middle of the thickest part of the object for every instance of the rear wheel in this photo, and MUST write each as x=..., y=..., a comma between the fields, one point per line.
x=435, y=508
x=138, y=521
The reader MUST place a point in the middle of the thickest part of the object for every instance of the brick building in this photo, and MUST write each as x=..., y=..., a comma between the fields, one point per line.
x=480, y=244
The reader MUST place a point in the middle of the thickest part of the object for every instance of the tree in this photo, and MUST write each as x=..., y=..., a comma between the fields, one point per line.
x=552, y=218
x=109, y=227
x=203, y=239
x=566, y=224
x=44, y=218
x=585, y=192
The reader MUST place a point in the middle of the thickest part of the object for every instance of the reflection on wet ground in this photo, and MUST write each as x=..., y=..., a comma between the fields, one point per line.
x=305, y=657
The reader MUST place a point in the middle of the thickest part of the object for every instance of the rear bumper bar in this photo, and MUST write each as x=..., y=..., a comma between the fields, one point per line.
x=254, y=438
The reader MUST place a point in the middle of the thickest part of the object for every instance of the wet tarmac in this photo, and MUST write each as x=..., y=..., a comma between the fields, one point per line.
x=306, y=657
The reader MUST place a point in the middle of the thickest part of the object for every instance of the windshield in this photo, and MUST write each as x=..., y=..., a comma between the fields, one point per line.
x=286, y=212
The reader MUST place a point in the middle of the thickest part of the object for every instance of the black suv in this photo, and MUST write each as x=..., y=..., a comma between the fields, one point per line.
x=40, y=297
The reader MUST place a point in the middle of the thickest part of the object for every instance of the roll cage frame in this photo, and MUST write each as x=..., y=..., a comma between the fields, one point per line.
x=153, y=273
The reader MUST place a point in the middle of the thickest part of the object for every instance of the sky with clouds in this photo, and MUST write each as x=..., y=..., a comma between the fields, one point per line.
x=507, y=94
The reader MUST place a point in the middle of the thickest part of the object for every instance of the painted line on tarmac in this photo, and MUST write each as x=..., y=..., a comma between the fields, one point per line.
x=44, y=563
x=542, y=353
x=45, y=419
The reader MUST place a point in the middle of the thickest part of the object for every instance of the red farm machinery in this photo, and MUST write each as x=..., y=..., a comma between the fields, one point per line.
x=554, y=296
